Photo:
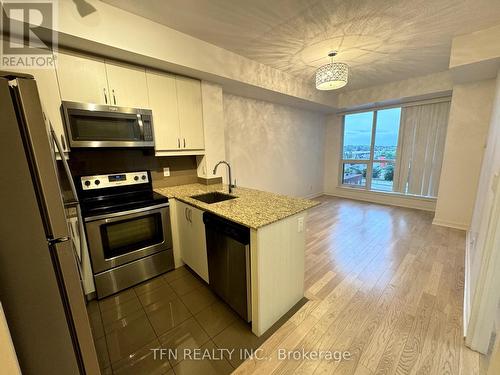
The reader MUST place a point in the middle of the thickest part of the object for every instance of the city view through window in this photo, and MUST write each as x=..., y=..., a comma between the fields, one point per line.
x=358, y=156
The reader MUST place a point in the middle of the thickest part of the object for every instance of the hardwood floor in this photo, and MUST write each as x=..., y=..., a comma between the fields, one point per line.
x=384, y=285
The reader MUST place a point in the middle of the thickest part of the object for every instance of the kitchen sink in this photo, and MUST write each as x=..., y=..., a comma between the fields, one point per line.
x=213, y=197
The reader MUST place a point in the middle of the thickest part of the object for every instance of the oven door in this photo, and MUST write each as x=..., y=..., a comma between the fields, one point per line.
x=91, y=125
x=120, y=238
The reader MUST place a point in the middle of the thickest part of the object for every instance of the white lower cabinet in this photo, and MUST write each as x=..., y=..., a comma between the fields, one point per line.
x=192, y=242
x=76, y=230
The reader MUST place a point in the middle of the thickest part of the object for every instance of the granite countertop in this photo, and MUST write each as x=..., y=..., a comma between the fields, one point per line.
x=252, y=208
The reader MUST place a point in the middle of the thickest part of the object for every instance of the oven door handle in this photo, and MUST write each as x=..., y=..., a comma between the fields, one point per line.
x=117, y=216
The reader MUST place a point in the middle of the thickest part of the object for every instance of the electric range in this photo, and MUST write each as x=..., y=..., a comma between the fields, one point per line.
x=127, y=227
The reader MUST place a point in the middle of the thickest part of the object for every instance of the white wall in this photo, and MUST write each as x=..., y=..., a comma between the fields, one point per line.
x=332, y=153
x=423, y=87
x=274, y=147
x=490, y=168
x=475, y=47
x=213, y=128
x=477, y=235
x=468, y=126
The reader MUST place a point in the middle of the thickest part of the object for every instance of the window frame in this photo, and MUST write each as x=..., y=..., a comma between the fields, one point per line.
x=369, y=162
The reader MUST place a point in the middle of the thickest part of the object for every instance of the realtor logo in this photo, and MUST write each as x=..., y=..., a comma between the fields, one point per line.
x=28, y=36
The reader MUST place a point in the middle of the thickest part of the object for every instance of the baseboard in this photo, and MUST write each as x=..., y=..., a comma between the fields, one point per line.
x=313, y=195
x=399, y=200
x=450, y=224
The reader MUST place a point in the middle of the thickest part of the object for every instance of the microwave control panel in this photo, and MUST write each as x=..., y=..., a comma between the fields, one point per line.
x=112, y=180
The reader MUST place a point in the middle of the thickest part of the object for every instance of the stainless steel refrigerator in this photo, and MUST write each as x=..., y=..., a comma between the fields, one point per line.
x=40, y=283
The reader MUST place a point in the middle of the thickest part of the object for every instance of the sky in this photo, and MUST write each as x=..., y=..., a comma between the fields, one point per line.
x=358, y=128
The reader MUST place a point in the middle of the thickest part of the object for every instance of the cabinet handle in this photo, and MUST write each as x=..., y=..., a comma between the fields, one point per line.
x=114, y=97
x=63, y=142
x=191, y=216
x=178, y=143
x=186, y=213
x=105, y=96
x=184, y=142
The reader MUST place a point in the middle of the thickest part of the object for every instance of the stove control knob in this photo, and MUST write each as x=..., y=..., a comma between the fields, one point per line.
x=87, y=183
x=97, y=182
x=136, y=178
x=143, y=177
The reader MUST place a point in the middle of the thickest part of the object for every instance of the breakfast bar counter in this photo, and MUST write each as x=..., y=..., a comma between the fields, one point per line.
x=252, y=208
x=276, y=225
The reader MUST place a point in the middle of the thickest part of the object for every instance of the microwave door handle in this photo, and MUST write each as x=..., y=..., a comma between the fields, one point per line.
x=73, y=190
x=141, y=127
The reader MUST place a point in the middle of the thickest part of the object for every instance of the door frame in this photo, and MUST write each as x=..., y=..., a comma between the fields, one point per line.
x=485, y=297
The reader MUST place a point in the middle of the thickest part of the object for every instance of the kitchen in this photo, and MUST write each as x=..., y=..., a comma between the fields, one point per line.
x=196, y=201
x=126, y=234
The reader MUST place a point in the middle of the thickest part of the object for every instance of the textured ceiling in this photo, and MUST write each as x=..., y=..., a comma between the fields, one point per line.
x=381, y=40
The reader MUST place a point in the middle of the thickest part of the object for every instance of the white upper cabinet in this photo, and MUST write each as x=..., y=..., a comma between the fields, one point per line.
x=176, y=101
x=163, y=103
x=92, y=80
x=190, y=113
x=127, y=85
x=82, y=79
x=177, y=114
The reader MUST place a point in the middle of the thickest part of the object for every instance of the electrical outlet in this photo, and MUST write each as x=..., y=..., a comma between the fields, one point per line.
x=166, y=172
x=300, y=224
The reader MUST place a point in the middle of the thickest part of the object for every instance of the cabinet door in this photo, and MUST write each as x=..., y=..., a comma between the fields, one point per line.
x=82, y=79
x=163, y=103
x=184, y=228
x=190, y=113
x=199, y=242
x=127, y=85
x=192, y=239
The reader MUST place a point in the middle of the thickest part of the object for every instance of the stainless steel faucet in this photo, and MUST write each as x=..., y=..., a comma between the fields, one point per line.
x=231, y=186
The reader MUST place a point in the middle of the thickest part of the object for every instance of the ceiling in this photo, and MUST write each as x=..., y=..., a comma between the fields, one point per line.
x=381, y=40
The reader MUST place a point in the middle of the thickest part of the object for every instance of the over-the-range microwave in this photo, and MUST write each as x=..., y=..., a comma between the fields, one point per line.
x=93, y=125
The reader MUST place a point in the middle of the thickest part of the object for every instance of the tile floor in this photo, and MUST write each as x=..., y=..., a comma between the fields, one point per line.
x=174, y=311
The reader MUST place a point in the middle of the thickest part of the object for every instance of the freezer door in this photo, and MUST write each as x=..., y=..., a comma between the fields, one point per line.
x=41, y=157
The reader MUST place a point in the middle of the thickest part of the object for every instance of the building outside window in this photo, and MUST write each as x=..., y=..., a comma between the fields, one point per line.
x=395, y=149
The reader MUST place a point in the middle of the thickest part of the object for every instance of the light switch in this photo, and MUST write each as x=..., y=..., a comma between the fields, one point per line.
x=300, y=224
x=166, y=172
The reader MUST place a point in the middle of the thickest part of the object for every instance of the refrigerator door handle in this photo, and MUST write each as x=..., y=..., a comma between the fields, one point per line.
x=53, y=241
x=79, y=259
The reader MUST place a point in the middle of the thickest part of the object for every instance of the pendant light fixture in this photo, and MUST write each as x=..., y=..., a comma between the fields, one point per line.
x=332, y=76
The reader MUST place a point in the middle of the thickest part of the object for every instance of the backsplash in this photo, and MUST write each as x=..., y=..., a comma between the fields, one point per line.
x=101, y=161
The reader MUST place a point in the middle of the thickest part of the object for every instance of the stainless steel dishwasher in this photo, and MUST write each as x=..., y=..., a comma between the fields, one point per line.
x=228, y=250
